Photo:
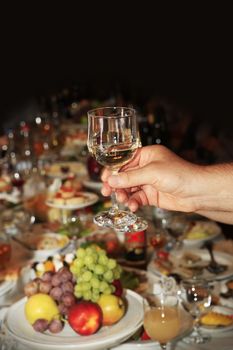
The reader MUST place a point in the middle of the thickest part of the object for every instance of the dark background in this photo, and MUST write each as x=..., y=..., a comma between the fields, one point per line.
x=181, y=51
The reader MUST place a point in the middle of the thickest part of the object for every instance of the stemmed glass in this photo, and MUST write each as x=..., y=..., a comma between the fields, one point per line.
x=162, y=320
x=112, y=141
x=196, y=297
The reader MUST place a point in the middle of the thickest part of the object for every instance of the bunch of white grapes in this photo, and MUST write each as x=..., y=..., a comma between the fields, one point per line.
x=94, y=273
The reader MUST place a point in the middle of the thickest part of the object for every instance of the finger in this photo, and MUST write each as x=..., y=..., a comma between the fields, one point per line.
x=137, y=177
x=122, y=196
x=105, y=174
x=106, y=189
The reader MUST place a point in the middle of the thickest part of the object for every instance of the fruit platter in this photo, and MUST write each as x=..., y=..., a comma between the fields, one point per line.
x=77, y=302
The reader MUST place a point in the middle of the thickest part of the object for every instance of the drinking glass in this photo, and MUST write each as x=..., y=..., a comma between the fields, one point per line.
x=113, y=140
x=162, y=320
x=196, y=297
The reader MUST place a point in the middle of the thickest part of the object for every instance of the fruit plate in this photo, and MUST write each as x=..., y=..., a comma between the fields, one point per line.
x=56, y=169
x=6, y=286
x=90, y=198
x=19, y=328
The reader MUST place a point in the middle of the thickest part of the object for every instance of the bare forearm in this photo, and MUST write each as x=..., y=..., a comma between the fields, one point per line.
x=215, y=189
x=225, y=217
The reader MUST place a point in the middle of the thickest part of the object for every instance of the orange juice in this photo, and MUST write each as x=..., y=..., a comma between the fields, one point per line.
x=162, y=323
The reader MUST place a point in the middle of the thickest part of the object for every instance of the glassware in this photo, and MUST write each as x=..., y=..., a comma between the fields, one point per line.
x=196, y=297
x=5, y=248
x=113, y=140
x=162, y=320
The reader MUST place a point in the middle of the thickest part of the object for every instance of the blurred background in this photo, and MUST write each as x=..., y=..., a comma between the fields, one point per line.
x=172, y=62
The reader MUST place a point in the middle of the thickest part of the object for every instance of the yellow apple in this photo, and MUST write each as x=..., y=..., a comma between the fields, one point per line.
x=40, y=306
x=113, y=308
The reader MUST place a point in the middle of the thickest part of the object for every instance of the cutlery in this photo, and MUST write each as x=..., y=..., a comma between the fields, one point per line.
x=214, y=266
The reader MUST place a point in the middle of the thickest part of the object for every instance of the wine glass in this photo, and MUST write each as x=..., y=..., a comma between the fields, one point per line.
x=196, y=297
x=112, y=141
x=162, y=318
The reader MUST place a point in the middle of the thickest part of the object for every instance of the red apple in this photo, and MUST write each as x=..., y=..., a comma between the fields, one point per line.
x=85, y=317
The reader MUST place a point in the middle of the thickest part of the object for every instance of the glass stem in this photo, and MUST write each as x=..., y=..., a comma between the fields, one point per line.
x=114, y=209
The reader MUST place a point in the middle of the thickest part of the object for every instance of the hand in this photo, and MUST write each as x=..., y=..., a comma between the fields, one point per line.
x=155, y=176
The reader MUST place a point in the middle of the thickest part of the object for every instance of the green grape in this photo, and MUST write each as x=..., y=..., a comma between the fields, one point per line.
x=108, y=276
x=87, y=276
x=80, y=253
x=88, y=260
x=112, y=264
x=78, y=263
x=95, y=283
x=107, y=291
x=86, y=286
x=87, y=295
x=78, y=294
x=99, y=269
x=78, y=287
x=103, y=286
x=73, y=269
x=95, y=297
x=116, y=275
x=113, y=288
x=92, y=267
x=89, y=251
x=102, y=252
x=103, y=260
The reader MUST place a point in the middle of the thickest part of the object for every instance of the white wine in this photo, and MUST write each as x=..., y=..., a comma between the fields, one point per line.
x=113, y=156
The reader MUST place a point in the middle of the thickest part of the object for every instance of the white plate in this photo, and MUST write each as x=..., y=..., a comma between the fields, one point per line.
x=22, y=331
x=93, y=185
x=176, y=258
x=206, y=226
x=91, y=199
x=6, y=286
x=213, y=329
x=185, y=329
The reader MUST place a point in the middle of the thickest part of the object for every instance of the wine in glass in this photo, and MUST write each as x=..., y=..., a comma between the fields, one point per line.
x=162, y=320
x=196, y=298
x=112, y=141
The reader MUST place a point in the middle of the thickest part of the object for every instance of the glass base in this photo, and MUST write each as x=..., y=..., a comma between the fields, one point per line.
x=120, y=220
x=196, y=338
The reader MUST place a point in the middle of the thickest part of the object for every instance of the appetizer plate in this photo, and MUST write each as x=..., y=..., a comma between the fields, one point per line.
x=62, y=169
x=218, y=329
x=181, y=266
x=200, y=232
x=90, y=198
x=19, y=328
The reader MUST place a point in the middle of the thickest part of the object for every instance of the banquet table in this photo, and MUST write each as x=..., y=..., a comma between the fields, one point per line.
x=221, y=340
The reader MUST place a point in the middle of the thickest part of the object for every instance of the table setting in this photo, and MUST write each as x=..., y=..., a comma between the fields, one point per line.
x=69, y=255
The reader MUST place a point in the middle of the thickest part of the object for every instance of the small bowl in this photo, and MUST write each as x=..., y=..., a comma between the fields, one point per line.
x=202, y=231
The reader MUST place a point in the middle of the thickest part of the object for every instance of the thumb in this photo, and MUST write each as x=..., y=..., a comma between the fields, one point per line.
x=133, y=178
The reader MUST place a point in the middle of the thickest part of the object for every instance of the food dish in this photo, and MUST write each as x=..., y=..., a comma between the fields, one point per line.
x=23, y=333
x=89, y=199
x=178, y=264
x=45, y=244
x=64, y=169
x=222, y=310
x=200, y=231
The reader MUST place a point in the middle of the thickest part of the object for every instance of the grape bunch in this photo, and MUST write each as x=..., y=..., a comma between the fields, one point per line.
x=59, y=285
x=94, y=273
